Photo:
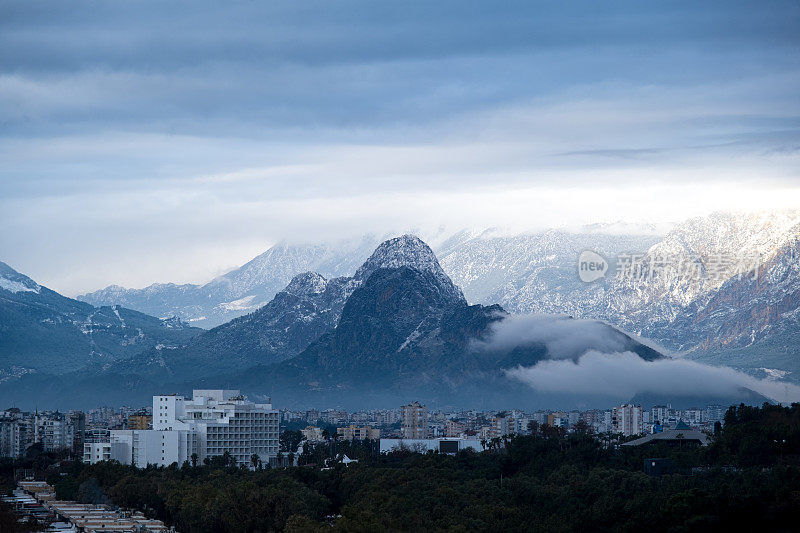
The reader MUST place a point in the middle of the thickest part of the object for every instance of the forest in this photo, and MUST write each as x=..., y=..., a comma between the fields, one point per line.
x=747, y=478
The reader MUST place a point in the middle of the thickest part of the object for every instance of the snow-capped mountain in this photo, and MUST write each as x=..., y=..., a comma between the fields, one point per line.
x=398, y=326
x=534, y=272
x=14, y=282
x=667, y=291
x=309, y=306
x=242, y=290
x=685, y=289
x=693, y=289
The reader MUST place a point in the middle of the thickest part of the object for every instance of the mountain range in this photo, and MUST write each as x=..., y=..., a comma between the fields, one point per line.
x=695, y=301
x=43, y=331
x=405, y=320
x=397, y=327
x=242, y=290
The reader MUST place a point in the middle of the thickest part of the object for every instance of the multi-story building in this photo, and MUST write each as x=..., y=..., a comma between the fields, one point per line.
x=502, y=426
x=627, y=419
x=162, y=448
x=212, y=423
x=223, y=421
x=453, y=428
x=660, y=414
x=91, y=435
x=415, y=421
x=77, y=420
x=143, y=447
x=715, y=413
x=54, y=430
x=694, y=416
x=557, y=419
x=358, y=433
x=9, y=437
x=118, y=447
x=140, y=420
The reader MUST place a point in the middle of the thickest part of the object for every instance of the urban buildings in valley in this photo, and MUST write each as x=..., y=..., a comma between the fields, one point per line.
x=119, y=431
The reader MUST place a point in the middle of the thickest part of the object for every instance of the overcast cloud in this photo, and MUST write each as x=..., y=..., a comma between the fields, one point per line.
x=152, y=141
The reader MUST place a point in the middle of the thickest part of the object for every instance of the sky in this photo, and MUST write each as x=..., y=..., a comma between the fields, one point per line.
x=153, y=141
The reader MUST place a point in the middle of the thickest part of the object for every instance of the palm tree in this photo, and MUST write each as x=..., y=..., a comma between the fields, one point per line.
x=194, y=460
x=254, y=459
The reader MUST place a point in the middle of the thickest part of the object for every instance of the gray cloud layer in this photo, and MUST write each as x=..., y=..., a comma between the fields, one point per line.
x=588, y=357
x=565, y=338
x=623, y=375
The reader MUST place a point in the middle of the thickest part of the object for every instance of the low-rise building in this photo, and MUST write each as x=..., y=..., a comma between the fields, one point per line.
x=312, y=434
x=358, y=433
x=681, y=435
x=449, y=446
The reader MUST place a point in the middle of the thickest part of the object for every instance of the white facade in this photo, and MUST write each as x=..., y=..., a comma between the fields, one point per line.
x=94, y=452
x=211, y=423
x=627, y=419
x=221, y=420
x=162, y=448
x=425, y=445
x=118, y=447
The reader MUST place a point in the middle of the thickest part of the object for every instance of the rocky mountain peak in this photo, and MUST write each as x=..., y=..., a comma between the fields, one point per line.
x=306, y=284
x=406, y=251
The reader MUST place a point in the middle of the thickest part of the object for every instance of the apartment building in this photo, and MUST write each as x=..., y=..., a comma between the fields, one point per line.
x=415, y=421
x=627, y=419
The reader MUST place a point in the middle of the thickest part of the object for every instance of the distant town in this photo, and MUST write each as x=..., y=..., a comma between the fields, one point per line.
x=189, y=430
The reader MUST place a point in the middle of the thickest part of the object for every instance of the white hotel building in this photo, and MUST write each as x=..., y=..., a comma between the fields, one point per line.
x=211, y=423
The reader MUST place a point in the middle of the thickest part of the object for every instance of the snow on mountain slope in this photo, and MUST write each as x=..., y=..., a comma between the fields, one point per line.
x=682, y=295
x=242, y=290
x=308, y=307
x=687, y=291
x=410, y=251
x=534, y=272
x=677, y=278
x=13, y=281
x=43, y=331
